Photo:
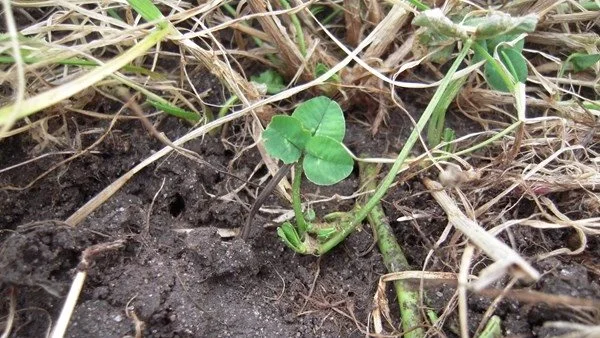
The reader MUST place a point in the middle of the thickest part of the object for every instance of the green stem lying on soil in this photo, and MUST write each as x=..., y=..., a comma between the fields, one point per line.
x=223, y=111
x=398, y=164
x=393, y=258
x=230, y=102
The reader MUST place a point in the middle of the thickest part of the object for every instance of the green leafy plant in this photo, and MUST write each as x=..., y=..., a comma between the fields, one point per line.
x=510, y=57
x=580, y=61
x=271, y=79
x=498, y=39
x=313, y=134
x=311, y=139
x=293, y=149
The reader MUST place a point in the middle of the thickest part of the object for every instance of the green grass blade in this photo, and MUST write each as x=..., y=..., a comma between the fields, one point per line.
x=84, y=63
x=398, y=164
x=57, y=94
x=174, y=110
x=435, y=126
x=148, y=11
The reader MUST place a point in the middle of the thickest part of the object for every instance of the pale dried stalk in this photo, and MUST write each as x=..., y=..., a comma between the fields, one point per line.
x=574, y=17
x=546, y=184
x=65, y=315
x=374, y=11
x=12, y=309
x=480, y=100
x=376, y=31
x=577, y=330
x=525, y=176
x=353, y=22
x=288, y=51
x=559, y=220
x=69, y=306
x=573, y=41
x=391, y=25
x=396, y=57
x=506, y=260
x=251, y=31
x=463, y=281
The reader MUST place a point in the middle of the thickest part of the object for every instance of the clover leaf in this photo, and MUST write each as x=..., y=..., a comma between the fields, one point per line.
x=315, y=130
x=326, y=161
x=285, y=138
x=322, y=117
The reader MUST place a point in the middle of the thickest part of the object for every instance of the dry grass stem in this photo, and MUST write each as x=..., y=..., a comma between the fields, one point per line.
x=272, y=25
x=505, y=259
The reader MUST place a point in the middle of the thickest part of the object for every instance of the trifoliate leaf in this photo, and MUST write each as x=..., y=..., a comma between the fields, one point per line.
x=322, y=117
x=285, y=138
x=326, y=161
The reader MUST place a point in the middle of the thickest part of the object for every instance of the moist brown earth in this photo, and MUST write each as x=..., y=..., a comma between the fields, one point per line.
x=179, y=277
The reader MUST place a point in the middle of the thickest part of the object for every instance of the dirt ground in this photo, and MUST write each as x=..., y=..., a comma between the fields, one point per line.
x=182, y=279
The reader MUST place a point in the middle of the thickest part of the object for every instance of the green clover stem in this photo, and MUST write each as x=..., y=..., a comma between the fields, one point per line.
x=301, y=225
x=398, y=164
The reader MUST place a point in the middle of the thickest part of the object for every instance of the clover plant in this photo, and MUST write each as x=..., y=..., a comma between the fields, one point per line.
x=311, y=139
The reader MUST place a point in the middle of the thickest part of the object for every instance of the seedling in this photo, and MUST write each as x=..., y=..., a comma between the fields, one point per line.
x=498, y=39
x=271, y=79
x=328, y=162
x=310, y=139
x=510, y=58
x=579, y=62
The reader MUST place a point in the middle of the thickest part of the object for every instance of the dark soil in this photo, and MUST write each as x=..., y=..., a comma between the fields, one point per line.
x=182, y=279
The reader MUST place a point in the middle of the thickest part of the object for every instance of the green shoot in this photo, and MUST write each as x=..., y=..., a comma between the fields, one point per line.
x=174, y=110
x=313, y=135
x=435, y=126
x=333, y=15
x=511, y=67
x=271, y=79
x=149, y=12
x=297, y=27
x=448, y=136
x=492, y=329
x=580, y=62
